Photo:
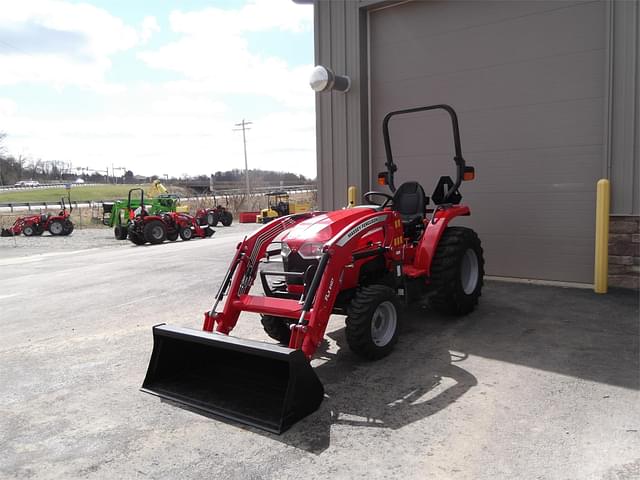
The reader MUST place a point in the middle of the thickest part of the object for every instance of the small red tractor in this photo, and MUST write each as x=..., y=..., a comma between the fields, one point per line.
x=211, y=216
x=145, y=228
x=363, y=262
x=31, y=225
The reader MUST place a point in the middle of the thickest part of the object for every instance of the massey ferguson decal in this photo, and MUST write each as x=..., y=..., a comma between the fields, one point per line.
x=358, y=228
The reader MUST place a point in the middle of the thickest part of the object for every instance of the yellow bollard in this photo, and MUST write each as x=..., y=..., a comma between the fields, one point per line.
x=352, y=193
x=601, y=268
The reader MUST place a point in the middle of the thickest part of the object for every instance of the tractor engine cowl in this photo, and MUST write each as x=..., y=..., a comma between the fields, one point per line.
x=302, y=245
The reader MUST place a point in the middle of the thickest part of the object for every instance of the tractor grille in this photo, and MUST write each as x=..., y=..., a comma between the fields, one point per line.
x=295, y=263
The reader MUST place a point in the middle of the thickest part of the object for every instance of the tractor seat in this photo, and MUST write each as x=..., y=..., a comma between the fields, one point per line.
x=410, y=202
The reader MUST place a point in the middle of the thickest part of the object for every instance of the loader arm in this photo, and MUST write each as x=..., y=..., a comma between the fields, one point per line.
x=242, y=273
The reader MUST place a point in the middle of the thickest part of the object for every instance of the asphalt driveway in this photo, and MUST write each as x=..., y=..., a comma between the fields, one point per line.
x=539, y=382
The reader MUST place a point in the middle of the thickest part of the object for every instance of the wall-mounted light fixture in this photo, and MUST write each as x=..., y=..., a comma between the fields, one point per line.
x=323, y=80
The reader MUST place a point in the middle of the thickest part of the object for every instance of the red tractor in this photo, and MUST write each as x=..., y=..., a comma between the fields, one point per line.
x=155, y=229
x=211, y=216
x=31, y=225
x=363, y=262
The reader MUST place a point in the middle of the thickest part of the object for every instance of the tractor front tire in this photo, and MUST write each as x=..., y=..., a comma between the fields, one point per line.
x=137, y=239
x=186, y=234
x=457, y=272
x=277, y=328
x=227, y=219
x=29, y=231
x=155, y=232
x=373, y=321
x=120, y=232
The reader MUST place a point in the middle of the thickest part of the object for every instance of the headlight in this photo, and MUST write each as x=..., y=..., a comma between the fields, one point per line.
x=285, y=250
x=311, y=250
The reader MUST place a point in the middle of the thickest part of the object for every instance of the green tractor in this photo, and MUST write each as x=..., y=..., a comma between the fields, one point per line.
x=118, y=214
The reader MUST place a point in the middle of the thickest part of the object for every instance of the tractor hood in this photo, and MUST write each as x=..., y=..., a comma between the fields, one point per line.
x=321, y=228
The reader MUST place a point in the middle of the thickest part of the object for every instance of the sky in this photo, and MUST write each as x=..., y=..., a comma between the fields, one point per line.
x=156, y=86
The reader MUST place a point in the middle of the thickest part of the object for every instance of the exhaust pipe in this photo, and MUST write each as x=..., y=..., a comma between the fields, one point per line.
x=259, y=384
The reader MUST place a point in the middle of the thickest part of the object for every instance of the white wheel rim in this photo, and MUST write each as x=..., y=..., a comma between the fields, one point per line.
x=56, y=228
x=187, y=233
x=383, y=323
x=469, y=271
x=28, y=231
x=157, y=233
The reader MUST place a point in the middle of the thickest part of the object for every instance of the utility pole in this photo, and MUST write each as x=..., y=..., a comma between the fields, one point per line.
x=244, y=126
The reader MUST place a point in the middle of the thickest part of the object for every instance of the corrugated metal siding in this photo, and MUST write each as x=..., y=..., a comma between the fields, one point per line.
x=624, y=125
x=341, y=132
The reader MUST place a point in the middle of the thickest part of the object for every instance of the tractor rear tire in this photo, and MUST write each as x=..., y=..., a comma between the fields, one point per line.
x=373, y=321
x=120, y=232
x=56, y=228
x=227, y=219
x=277, y=328
x=186, y=234
x=68, y=227
x=457, y=272
x=29, y=231
x=212, y=219
x=155, y=232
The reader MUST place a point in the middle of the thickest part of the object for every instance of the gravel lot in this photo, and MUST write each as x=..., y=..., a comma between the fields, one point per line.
x=538, y=383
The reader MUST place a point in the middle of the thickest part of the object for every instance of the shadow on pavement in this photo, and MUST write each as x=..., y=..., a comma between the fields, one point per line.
x=566, y=331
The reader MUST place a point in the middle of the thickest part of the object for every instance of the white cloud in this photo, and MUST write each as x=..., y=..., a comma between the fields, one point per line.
x=214, y=56
x=149, y=27
x=61, y=43
x=7, y=107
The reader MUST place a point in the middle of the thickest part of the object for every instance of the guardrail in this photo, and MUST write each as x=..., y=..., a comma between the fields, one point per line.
x=45, y=186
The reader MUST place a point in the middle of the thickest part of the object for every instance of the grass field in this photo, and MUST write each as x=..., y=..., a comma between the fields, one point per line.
x=78, y=194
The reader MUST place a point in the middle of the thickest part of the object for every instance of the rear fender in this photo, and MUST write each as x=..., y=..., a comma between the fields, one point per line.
x=432, y=234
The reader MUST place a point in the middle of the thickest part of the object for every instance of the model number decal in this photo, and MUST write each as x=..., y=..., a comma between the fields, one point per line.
x=327, y=295
x=358, y=228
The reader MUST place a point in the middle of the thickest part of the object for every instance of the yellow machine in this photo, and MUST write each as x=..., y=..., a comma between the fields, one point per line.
x=157, y=189
x=279, y=205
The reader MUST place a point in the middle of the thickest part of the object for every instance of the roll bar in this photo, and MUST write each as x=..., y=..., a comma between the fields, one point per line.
x=392, y=167
x=141, y=197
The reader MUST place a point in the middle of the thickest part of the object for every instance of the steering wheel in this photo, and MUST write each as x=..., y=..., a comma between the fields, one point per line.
x=388, y=198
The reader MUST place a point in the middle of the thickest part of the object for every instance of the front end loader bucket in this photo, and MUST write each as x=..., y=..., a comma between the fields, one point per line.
x=259, y=384
x=5, y=232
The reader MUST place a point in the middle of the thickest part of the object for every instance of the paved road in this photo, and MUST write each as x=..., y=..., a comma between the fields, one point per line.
x=540, y=382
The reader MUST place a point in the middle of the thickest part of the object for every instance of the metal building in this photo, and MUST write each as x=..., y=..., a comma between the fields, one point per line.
x=547, y=95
